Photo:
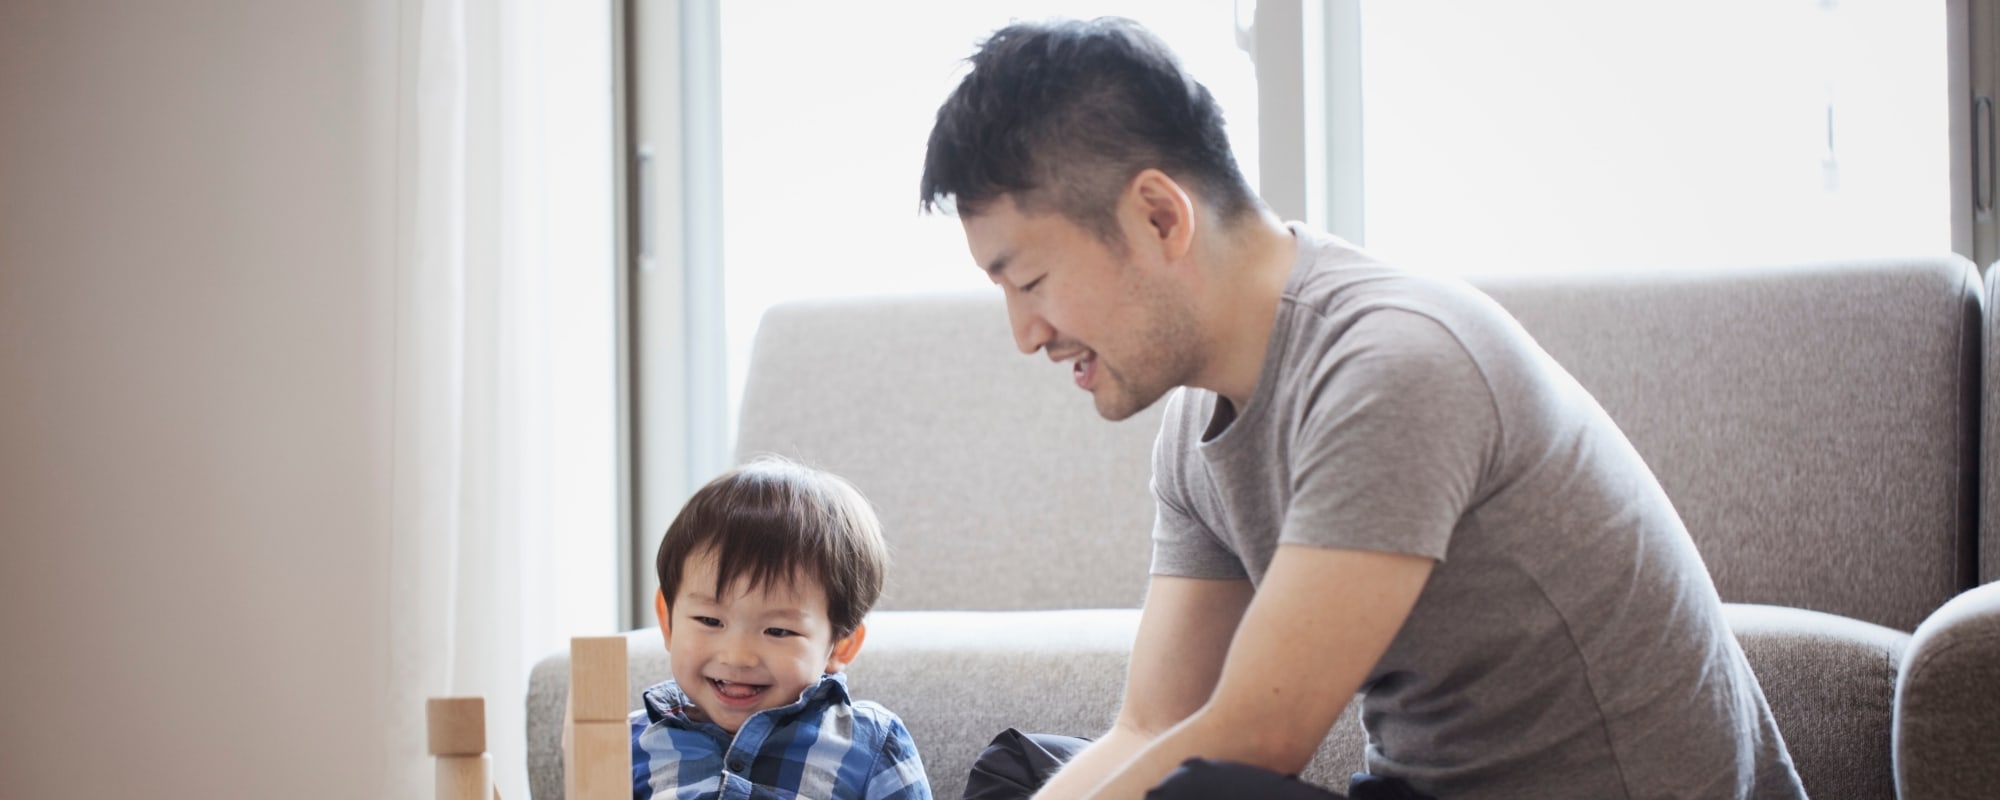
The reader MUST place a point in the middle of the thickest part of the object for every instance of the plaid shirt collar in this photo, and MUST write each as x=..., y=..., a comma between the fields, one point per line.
x=667, y=703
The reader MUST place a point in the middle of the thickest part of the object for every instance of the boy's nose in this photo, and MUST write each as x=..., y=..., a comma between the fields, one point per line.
x=737, y=651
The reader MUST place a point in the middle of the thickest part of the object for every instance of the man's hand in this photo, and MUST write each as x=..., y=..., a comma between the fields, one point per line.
x=1316, y=628
x=1184, y=635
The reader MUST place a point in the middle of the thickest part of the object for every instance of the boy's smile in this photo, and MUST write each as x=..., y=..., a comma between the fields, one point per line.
x=738, y=694
x=750, y=649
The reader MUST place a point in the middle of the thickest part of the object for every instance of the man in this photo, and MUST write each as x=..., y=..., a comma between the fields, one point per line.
x=1372, y=482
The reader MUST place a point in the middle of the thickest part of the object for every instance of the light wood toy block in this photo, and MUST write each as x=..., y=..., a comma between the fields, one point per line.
x=597, y=743
x=597, y=761
x=457, y=725
x=465, y=777
x=457, y=736
x=597, y=680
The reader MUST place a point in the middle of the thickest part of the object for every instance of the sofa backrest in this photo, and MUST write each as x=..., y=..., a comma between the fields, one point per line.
x=1989, y=512
x=1816, y=426
x=998, y=485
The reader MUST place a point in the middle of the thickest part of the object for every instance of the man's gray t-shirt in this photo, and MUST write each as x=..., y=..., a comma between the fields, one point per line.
x=1569, y=642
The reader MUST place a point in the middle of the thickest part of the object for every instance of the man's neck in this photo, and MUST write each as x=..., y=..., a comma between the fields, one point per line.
x=1248, y=266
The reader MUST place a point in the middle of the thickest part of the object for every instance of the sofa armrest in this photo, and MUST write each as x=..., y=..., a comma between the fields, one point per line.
x=1831, y=683
x=1947, y=726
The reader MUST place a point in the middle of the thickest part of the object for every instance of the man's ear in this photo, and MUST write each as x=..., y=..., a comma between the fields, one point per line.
x=846, y=649
x=660, y=613
x=1168, y=212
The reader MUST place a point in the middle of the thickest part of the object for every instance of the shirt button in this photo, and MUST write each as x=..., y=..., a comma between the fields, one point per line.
x=737, y=765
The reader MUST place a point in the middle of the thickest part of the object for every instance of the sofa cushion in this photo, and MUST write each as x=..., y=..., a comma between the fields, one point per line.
x=957, y=678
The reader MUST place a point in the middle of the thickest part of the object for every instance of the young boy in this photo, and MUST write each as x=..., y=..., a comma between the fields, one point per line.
x=764, y=579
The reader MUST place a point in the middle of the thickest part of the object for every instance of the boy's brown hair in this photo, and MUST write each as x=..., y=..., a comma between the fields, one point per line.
x=773, y=519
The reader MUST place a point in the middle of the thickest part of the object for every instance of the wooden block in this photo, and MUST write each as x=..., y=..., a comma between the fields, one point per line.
x=457, y=725
x=597, y=681
x=464, y=777
x=597, y=761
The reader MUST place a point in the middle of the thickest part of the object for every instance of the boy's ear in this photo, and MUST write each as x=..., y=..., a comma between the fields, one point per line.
x=846, y=649
x=660, y=613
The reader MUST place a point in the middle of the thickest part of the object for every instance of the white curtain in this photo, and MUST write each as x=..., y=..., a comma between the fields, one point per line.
x=505, y=525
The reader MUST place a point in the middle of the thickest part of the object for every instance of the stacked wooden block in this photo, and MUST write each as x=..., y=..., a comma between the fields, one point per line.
x=457, y=727
x=597, y=740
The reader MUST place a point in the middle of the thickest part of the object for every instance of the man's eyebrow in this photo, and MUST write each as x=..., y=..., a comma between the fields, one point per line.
x=998, y=264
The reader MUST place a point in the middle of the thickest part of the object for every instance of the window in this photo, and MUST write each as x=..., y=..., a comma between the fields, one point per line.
x=1576, y=135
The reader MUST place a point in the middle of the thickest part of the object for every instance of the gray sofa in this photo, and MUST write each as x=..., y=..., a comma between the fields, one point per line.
x=1817, y=426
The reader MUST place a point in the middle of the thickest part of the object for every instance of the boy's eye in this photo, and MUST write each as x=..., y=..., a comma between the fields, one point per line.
x=708, y=622
x=779, y=632
x=1030, y=285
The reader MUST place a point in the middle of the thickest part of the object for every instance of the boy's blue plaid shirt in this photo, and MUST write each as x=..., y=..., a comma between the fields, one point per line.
x=822, y=747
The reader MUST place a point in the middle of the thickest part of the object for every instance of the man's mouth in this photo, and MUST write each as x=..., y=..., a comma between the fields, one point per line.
x=1084, y=370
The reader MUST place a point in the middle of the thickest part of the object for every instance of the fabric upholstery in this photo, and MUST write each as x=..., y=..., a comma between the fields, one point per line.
x=1831, y=682
x=1813, y=425
x=959, y=678
x=1947, y=743
x=998, y=485
x=1989, y=512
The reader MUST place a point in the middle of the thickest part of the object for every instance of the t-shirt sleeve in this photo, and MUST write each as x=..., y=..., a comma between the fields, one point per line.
x=1398, y=430
x=1184, y=546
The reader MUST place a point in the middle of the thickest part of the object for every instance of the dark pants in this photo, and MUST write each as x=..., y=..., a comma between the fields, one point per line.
x=1016, y=764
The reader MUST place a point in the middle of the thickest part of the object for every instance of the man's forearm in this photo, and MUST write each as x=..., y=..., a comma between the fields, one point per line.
x=1092, y=767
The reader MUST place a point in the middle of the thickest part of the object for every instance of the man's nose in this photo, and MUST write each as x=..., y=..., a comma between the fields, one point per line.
x=1031, y=332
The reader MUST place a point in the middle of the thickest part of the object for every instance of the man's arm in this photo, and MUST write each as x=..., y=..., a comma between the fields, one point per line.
x=1184, y=634
x=1320, y=621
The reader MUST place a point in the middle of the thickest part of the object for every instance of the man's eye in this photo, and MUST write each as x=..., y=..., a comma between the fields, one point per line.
x=1030, y=285
x=708, y=622
x=779, y=632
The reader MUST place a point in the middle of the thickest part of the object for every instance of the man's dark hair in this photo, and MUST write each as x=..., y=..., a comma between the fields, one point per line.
x=774, y=520
x=1062, y=114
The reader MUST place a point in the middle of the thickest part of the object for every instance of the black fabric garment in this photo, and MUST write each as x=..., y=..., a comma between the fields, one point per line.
x=1364, y=786
x=1208, y=779
x=1016, y=764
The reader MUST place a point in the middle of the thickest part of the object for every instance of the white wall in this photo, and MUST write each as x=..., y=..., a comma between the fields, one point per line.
x=196, y=253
